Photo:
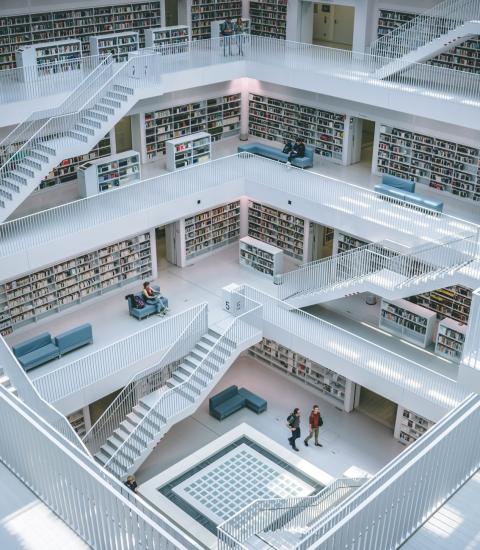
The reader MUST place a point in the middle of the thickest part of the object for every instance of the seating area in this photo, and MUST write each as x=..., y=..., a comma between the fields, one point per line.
x=398, y=188
x=276, y=154
x=147, y=309
x=44, y=348
x=232, y=399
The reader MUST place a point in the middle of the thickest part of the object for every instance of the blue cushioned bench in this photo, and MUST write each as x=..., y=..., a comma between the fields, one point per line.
x=398, y=183
x=36, y=351
x=273, y=153
x=232, y=400
x=398, y=188
x=74, y=338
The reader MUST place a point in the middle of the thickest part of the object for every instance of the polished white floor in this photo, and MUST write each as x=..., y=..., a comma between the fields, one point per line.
x=350, y=440
x=28, y=524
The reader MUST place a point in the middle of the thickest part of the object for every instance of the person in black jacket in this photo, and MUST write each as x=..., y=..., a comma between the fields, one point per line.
x=298, y=150
x=293, y=424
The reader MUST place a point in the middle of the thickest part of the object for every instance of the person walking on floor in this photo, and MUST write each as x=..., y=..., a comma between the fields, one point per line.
x=240, y=34
x=293, y=423
x=314, y=423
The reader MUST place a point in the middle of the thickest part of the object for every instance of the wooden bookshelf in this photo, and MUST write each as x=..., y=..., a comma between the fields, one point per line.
x=444, y=165
x=109, y=173
x=269, y=18
x=206, y=11
x=188, y=151
x=67, y=170
x=120, y=44
x=78, y=23
x=329, y=385
x=409, y=321
x=278, y=120
x=409, y=426
x=278, y=228
x=36, y=295
x=450, y=339
x=260, y=256
x=46, y=55
x=212, y=229
x=219, y=116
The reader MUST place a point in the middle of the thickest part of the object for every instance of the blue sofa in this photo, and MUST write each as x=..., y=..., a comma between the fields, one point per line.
x=148, y=309
x=36, y=351
x=232, y=400
x=273, y=153
x=398, y=188
x=74, y=338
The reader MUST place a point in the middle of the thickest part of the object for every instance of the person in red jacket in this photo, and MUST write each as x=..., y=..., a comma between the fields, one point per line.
x=314, y=423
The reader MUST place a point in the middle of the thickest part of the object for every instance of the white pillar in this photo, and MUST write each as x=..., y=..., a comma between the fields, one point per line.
x=244, y=107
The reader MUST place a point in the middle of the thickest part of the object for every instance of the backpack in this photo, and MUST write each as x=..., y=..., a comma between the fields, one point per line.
x=290, y=419
x=320, y=421
x=138, y=302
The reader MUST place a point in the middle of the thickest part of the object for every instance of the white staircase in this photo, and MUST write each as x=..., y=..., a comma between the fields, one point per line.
x=377, y=269
x=177, y=396
x=439, y=29
x=37, y=145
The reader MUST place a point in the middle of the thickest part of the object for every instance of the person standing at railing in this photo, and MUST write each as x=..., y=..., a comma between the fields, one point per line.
x=240, y=34
x=227, y=30
x=131, y=484
x=315, y=421
x=293, y=423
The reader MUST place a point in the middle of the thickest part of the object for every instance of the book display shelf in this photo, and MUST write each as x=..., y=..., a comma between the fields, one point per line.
x=219, y=116
x=67, y=170
x=109, y=173
x=445, y=165
x=188, y=151
x=450, y=339
x=81, y=23
x=269, y=18
x=57, y=287
x=120, y=45
x=348, y=242
x=409, y=426
x=279, y=120
x=206, y=11
x=46, y=55
x=212, y=229
x=259, y=256
x=409, y=321
x=453, y=302
x=464, y=57
x=178, y=35
x=331, y=386
x=278, y=228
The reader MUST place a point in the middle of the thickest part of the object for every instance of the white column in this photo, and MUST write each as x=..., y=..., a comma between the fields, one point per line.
x=244, y=109
x=364, y=24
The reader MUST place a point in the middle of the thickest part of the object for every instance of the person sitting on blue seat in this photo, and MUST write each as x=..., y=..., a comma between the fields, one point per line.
x=298, y=151
x=154, y=296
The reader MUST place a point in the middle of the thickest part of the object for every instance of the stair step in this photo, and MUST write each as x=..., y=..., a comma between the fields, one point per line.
x=2, y=204
x=10, y=184
x=45, y=149
x=24, y=170
x=39, y=156
x=117, y=96
x=124, y=89
x=84, y=129
x=6, y=194
x=97, y=115
x=111, y=102
x=104, y=109
x=76, y=135
x=91, y=122
x=33, y=163
x=17, y=177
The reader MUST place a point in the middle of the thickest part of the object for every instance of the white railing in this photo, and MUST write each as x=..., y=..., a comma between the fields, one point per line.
x=149, y=379
x=99, y=509
x=425, y=28
x=471, y=348
x=171, y=403
x=295, y=514
x=145, y=344
x=28, y=393
x=387, y=509
x=346, y=269
x=328, y=193
x=24, y=83
x=404, y=373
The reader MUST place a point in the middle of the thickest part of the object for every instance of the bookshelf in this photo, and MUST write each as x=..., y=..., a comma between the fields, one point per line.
x=259, y=256
x=188, y=150
x=78, y=23
x=67, y=170
x=409, y=321
x=278, y=228
x=219, y=116
x=167, y=36
x=120, y=45
x=464, y=57
x=45, y=55
x=409, y=426
x=109, y=173
x=450, y=339
x=453, y=302
x=212, y=229
x=444, y=165
x=348, y=242
x=329, y=385
x=278, y=120
x=269, y=18
x=205, y=11
x=60, y=286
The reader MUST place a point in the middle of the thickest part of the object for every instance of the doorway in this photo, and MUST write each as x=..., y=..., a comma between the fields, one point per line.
x=123, y=135
x=321, y=241
x=376, y=407
x=171, y=12
x=368, y=138
x=162, y=246
x=333, y=26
